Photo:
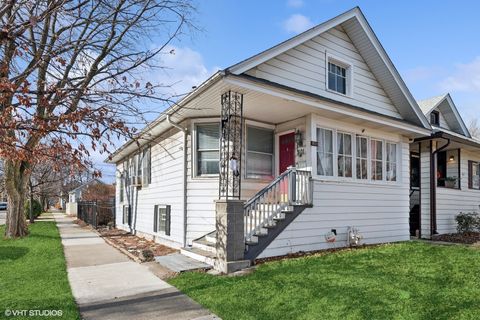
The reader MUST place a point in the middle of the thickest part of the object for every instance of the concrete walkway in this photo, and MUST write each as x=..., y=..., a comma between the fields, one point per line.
x=108, y=285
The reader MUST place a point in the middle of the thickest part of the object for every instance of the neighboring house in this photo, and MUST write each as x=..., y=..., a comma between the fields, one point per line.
x=75, y=195
x=453, y=157
x=329, y=103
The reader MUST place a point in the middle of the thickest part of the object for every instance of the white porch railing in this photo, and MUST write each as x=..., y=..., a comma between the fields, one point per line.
x=293, y=187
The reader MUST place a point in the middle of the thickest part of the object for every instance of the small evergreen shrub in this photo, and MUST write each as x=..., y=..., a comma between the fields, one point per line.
x=467, y=222
x=37, y=208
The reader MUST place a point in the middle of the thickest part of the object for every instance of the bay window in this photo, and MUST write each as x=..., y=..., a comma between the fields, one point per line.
x=208, y=149
x=376, y=148
x=344, y=152
x=259, y=153
x=325, y=152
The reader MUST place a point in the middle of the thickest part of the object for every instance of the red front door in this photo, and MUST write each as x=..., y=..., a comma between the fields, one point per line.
x=286, y=151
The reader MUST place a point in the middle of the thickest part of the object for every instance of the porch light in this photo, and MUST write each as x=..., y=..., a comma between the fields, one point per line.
x=452, y=158
x=299, y=138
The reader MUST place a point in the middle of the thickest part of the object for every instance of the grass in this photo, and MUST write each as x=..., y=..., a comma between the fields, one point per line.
x=408, y=280
x=33, y=274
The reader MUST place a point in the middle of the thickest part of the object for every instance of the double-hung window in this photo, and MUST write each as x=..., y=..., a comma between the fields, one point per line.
x=362, y=157
x=146, y=167
x=391, y=161
x=474, y=175
x=259, y=153
x=208, y=150
x=376, y=148
x=344, y=155
x=325, y=152
x=337, y=78
x=448, y=169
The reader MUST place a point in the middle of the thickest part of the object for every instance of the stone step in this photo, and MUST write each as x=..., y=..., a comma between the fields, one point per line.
x=199, y=255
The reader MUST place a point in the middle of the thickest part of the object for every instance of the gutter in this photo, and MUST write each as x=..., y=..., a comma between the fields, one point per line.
x=185, y=215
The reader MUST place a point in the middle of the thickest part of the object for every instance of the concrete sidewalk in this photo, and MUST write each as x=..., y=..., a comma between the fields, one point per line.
x=108, y=285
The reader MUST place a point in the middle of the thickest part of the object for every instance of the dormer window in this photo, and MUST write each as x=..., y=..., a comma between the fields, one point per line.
x=337, y=78
x=435, y=118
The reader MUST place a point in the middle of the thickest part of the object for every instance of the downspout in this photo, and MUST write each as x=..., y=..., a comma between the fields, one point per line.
x=185, y=132
x=433, y=186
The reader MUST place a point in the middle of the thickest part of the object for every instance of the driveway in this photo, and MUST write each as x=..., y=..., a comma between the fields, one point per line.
x=108, y=285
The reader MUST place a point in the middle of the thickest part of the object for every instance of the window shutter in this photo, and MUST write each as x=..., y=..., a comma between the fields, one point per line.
x=167, y=221
x=470, y=174
x=155, y=218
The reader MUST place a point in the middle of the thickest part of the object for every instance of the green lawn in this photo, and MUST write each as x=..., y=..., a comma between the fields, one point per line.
x=397, y=281
x=33, y=275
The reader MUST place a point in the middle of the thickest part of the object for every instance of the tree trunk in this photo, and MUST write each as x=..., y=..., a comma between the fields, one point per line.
x=16, y=181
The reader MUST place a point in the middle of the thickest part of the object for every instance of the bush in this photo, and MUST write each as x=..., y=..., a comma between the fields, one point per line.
x=37, y=208
x=467, y=222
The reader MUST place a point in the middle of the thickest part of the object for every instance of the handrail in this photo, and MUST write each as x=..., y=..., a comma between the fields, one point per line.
x=292, y=187
x=266, y=188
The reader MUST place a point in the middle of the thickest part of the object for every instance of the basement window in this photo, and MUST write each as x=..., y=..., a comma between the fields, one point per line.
x=448, y=169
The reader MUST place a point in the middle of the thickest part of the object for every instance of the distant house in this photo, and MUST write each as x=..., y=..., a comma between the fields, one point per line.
x=302, y=142
x=75, y=195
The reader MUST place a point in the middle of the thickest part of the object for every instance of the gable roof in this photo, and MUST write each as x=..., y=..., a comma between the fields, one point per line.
x=444, y=103
x=364, y=39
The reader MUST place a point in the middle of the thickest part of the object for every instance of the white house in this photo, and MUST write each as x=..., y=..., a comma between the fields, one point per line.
x=75, y=195
x=313, y=136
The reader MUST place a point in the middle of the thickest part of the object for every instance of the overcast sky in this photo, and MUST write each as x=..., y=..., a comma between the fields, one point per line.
x=435, y=45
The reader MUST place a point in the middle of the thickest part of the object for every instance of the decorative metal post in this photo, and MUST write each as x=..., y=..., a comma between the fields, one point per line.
x=231, y=145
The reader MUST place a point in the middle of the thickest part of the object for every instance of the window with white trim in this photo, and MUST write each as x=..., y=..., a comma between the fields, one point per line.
x=344, y=155
x=391, y=161
x=376, y=148
x=325, y=152
x=362, y=157
x=337, y=78
x=146, y=167
x=208, y=149
x=259, y=160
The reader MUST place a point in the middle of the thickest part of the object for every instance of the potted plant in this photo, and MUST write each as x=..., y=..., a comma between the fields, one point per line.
x=450, y=182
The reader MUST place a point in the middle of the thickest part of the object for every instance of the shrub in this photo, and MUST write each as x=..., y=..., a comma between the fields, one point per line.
x=37, y=208
x=467, y=222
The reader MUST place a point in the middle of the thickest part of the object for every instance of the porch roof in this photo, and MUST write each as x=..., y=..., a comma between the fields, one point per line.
x=457, y=141
x=266, y=102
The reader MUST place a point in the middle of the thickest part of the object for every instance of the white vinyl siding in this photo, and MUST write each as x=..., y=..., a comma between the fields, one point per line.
x=304, y=68
x=166, y=186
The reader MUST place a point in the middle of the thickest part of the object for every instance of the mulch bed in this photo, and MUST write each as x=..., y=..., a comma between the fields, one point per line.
x=467, y=237
x=134, y=244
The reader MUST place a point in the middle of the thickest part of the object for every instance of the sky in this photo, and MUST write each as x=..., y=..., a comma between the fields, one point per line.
x=435, y=45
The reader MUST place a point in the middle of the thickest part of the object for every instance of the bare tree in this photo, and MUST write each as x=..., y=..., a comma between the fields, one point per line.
x=71, y=78
x=474, y=128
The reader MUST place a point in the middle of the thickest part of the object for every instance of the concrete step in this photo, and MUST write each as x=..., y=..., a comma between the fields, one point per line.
x=199, y=255
x=211, y=237
x=204, y=245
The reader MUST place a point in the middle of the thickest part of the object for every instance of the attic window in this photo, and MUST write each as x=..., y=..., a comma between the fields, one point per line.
x=435, y=118
x=337, y=78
